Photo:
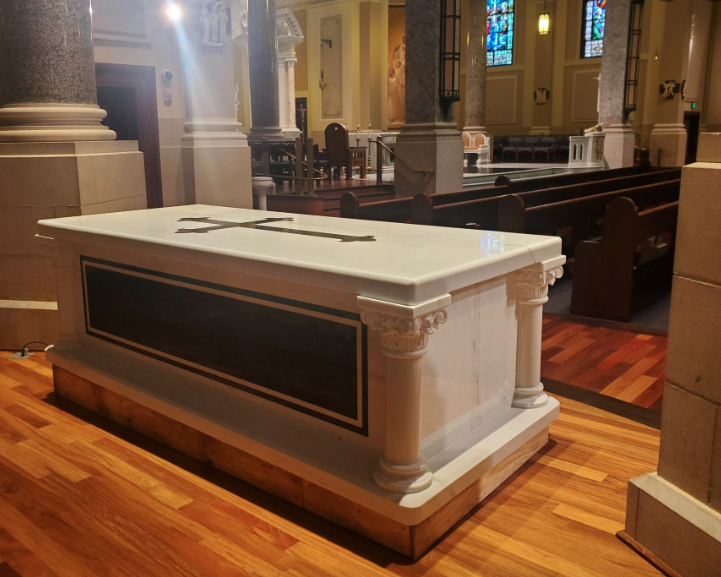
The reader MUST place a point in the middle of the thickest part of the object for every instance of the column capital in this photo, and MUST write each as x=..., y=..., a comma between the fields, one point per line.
x=404, y=329
x=533, y=281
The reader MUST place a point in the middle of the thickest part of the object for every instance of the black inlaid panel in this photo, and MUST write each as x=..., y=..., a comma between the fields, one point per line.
x=290, y=352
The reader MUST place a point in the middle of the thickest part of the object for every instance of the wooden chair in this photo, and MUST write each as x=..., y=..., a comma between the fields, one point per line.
x=514, y=143
x=341, y=154
x=528, y=146
x=547, y=146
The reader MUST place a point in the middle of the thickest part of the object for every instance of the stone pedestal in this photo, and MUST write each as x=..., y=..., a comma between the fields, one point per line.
x=429, y=140
x=475, y=100
x=263, y=61
x=675, y=514
x=620, y=139
x=619, y=146
x=50, y=180
x=56, y=158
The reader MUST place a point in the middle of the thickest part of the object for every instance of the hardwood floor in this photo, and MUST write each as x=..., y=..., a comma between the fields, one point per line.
x=622, y=364
x=81, y=496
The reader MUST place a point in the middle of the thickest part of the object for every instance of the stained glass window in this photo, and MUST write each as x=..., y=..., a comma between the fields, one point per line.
x=594, y=23
x=499, y=32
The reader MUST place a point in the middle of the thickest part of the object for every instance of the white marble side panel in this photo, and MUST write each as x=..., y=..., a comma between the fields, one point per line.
x=469, y=370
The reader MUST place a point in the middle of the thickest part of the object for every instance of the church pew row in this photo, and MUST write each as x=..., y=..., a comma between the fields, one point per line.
x=425, y=211
x=578, y=219
x=527, y=185
x=605, y=271
x=399, y=210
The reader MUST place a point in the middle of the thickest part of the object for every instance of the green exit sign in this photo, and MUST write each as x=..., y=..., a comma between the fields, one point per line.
x=693, y=105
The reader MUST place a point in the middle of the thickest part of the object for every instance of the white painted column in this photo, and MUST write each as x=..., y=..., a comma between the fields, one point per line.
x=289, y=35
x=404, y=333
x=532, y=283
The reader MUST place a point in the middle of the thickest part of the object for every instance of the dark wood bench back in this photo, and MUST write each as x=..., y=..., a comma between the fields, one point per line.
x=574, y=178
x=424, y=205
x=603, y=274
x=559, y=193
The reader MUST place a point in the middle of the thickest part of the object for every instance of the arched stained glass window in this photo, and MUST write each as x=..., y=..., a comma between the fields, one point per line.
x=499, y=32
x=594, y=24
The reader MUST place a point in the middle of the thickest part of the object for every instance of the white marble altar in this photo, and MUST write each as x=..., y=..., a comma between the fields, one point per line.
x=413, y=353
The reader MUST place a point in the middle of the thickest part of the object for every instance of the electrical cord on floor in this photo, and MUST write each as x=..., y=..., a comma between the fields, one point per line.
x=24, y=353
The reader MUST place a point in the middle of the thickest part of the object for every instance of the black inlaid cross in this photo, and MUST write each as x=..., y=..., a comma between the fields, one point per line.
x=260, y=225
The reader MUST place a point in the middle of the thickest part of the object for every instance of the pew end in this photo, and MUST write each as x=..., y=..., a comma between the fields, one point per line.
x=606, y=271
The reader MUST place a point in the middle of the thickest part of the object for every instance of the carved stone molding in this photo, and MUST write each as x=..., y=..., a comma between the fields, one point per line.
x=406, y=335
x=533, y=285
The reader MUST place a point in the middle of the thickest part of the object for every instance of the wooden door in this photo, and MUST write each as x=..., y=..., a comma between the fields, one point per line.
x=127, y=93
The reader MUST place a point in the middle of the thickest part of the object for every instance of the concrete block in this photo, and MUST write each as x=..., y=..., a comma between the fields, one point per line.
x=698, y=234
x=22, y=322
x=27, y=278
x=709, y=147
x=687, y=436
x=683, y=533
x=694, y=338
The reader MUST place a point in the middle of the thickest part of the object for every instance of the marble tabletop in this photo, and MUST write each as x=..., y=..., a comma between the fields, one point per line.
x=402, y=263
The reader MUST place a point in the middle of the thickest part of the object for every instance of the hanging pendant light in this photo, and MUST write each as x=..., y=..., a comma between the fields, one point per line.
x=544, y=20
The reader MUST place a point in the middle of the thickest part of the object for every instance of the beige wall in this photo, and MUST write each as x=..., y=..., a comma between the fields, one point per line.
x=135, y=32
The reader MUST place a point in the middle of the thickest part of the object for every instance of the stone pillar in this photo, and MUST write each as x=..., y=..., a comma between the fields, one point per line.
x=65, y=263
x=675, y=514
x=429, y=139
x=620, y=139
x=532, y=283
x=56, y=158
x=216, y=157
x=289, y=36
x=263, y=61
x=404, y=332
x=475, y=101
x=47, y=73
x=669, y=132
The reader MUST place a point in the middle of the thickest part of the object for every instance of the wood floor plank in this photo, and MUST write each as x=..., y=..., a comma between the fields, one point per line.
x=70, y=490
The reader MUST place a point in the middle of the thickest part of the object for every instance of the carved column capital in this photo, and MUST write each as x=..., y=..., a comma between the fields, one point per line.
x=404, y=335
x=533, y=284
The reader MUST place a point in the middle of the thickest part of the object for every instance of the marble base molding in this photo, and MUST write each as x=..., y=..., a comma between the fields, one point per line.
x=672, y=527
x=53, y=123
x=434, y=147
x=619, y=145
x=671, y=139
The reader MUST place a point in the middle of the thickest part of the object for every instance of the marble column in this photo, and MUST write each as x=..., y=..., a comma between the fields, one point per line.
x=620, y=139
x=263, y=60
x=404, y=334
x=216, y=156
x=289, y=36
x=532, y=283
x=47, y=73
x=56, y=158
x=430, y=139
x=475, y=97
x=669, y=133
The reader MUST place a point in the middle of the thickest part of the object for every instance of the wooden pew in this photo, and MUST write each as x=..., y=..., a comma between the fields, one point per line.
x=603, y=272
x=400, y=209
x=526, y=185
x=582, y=215
x=508, y=214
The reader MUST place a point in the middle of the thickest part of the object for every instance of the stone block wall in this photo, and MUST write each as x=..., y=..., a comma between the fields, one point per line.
x=691, y=438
